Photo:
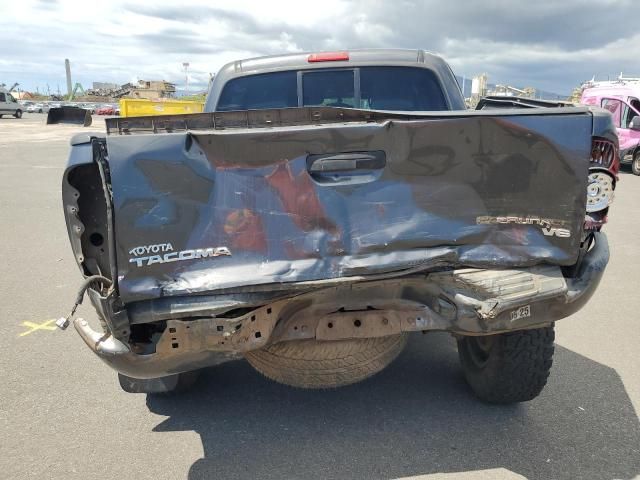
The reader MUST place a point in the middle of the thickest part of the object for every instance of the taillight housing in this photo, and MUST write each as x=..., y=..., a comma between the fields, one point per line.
x=604, y=154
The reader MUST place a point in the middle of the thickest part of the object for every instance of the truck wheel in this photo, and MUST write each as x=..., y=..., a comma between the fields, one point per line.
x=635, y=164
x=326, y=364
x=18, y=114
x=509, y=367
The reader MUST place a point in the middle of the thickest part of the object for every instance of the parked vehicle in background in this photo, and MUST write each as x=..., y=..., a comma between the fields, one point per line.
x=9, y=105
x=104, y=110
x=622, y=99
x=108, y=110
x=38, y=108
x=90, y=107
x=325, y=206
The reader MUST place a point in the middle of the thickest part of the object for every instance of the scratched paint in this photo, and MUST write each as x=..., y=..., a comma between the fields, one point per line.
x=253, y=192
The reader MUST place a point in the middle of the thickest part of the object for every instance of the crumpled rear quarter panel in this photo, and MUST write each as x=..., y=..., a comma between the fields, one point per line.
x=249, y=191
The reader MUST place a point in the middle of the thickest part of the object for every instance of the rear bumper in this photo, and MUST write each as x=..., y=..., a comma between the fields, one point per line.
x=465, y=302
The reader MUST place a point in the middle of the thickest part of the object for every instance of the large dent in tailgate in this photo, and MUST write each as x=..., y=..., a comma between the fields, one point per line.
x=249, y=191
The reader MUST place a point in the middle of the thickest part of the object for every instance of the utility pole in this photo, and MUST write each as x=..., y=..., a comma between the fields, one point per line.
x=67, y=67
x=186, y=76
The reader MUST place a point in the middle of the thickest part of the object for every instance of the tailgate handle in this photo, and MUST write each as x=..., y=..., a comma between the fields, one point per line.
x=346, y=162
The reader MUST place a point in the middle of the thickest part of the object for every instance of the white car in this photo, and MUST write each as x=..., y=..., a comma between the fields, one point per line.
x=9, y=105
x=38, y=108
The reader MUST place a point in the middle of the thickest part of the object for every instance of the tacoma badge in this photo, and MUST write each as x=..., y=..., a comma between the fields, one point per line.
x=168, y=255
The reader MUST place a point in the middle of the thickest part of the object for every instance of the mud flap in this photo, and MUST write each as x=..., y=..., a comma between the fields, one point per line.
x=69, y=115
x=171, y=383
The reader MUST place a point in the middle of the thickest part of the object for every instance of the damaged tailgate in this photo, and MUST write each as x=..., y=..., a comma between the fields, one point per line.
x=198, y=210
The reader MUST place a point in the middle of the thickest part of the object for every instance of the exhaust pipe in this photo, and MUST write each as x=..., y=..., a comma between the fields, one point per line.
x=69, y=115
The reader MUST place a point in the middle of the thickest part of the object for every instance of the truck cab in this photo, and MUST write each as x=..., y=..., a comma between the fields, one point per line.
x=9, y=105
x=622, y=99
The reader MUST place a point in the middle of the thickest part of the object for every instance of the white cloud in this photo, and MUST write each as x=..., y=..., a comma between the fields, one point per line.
x=551, y=45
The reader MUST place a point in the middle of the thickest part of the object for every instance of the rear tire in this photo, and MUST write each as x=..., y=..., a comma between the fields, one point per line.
x=510, y=367
x=635, y=163
x=18, y=114
x=326, y=364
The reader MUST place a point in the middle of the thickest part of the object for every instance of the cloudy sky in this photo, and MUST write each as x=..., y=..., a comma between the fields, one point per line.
x=552, y=45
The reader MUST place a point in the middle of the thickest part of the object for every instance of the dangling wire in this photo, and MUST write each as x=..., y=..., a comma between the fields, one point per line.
x=63, y=322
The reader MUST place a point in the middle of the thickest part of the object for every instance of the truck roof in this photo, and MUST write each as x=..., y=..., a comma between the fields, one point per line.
x=631, y=90
x=379, y=56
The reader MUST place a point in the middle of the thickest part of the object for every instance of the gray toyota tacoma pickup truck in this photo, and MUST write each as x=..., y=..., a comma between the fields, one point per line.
x=327, y=205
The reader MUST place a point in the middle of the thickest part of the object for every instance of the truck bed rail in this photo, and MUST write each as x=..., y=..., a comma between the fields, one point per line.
x=283, y=117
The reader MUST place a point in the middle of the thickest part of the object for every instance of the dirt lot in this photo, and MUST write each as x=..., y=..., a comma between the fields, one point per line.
x=63, y=416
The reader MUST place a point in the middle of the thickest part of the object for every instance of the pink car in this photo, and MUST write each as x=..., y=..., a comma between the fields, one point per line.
x=622, y=99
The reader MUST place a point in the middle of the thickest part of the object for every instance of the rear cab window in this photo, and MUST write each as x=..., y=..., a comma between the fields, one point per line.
x=255, y=92
x=400, y=88
x=328, y=88
x=378, y=88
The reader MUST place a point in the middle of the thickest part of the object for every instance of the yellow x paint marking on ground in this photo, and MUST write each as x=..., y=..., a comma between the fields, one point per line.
x=38, y=326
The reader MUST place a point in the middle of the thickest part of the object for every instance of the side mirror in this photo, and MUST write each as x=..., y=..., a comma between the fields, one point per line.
x=635, y=123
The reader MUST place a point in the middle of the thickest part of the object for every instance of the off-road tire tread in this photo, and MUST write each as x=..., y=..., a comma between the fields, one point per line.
x=326, y=364
x=517, y=369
